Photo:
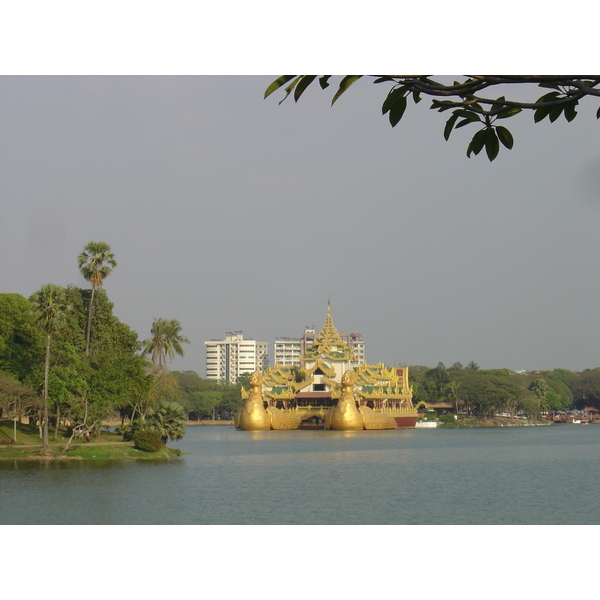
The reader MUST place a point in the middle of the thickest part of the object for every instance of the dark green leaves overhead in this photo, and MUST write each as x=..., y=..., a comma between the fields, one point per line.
x=344, y=85
x=395, y=105
x=467, y=98
x=505, y=136
x=299, y=83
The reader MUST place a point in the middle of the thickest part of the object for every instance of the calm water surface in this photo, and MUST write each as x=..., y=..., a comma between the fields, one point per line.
x=518, y=475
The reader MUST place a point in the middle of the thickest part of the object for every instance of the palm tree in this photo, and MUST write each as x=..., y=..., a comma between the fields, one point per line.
x=166, y=341
x=95, y=263
x=168, y=418
x=452, y=389
x=49, y=306
x=540, y=388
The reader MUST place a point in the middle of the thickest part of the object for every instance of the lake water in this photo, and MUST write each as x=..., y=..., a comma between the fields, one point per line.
x=516, y=475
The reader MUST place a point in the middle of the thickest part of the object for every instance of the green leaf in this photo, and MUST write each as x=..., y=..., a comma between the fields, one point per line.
x=469, y=115
x=346, y=82
x=555, y=112
x=442, y=105
x=551, y=86
x=511, y=111
x=394, y=95
x=492, y=145
x=551, y=97
x=598, y=114
x=280, y=81
x=463, y=123
x=477, y=143
x=570, y=112
x=397, y=111
x=449, y=126
x=505, y=136
x=500, y=103
x=324, y=81
x=304, y=82
x=416, y=97
x=540, y=114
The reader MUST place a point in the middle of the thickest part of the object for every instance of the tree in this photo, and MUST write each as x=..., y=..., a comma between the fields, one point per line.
x=586, y=388
x=468, y=99
x=95, y=263
x=166, y=341
x=452, y=390
x=49, y=306
x=440, y=376
x=489, y=393
x=112, y=376
x=540, y=388
x=16, y=398
x=165, y=388
x=21, y=342
x=168, y=418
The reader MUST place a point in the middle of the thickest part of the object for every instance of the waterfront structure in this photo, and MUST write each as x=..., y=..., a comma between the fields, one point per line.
x=229, y=358
x=328, y=391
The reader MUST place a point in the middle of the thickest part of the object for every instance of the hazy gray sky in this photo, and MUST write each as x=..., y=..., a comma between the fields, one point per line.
x=228, y=212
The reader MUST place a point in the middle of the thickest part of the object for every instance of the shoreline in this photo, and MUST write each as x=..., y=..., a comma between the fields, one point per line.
x=207, y=422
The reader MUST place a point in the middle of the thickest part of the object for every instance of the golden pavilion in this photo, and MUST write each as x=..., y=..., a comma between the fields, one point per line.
x=327, y=391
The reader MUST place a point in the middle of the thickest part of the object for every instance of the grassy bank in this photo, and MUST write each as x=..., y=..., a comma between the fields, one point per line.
x=107, y=446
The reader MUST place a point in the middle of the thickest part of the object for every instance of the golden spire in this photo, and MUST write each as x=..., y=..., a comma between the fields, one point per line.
x=329, y=342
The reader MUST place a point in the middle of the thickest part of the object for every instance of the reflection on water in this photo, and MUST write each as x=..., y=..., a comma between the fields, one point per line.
x=485, y=476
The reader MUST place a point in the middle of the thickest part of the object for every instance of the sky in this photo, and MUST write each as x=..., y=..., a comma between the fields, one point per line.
x=228, y=211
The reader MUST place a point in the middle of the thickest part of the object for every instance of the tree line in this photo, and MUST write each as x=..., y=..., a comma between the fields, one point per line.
x=490, y=391
x=67, y=361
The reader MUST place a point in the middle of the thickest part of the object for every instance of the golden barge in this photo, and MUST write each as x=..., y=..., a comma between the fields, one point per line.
x=328, y=391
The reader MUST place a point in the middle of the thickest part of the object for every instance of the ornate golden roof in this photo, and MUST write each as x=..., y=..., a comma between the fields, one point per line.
x=372, y=382
x=329, y=344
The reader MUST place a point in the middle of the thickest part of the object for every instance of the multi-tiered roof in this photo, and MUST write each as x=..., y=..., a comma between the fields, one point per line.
x=322, y=368
x=329, y=344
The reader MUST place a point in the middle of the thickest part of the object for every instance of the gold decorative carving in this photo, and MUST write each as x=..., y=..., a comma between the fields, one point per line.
x=345, y=414
x=253, y=415
x=281, y=399
x=374, y=420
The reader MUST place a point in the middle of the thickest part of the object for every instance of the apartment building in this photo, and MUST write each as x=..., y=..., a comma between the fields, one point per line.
x=289, y=350
x=229, y=358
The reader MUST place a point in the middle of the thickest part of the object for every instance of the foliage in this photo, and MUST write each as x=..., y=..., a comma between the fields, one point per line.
x=95, y=263
x=168, y=419
x=111, y=376
x=468, y=99
x=49, y=306
x=133, y=427
x=490, y=394
x=205, y=396
x=16, y=398
x=165, y=342
x=447, y=419
x=21, y=342
x=148, y=440
x=540, y=388
x=586, y=388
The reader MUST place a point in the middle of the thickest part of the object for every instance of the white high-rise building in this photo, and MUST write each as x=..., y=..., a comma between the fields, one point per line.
x=289, y=350
x=356, y=342
x=229, y=358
